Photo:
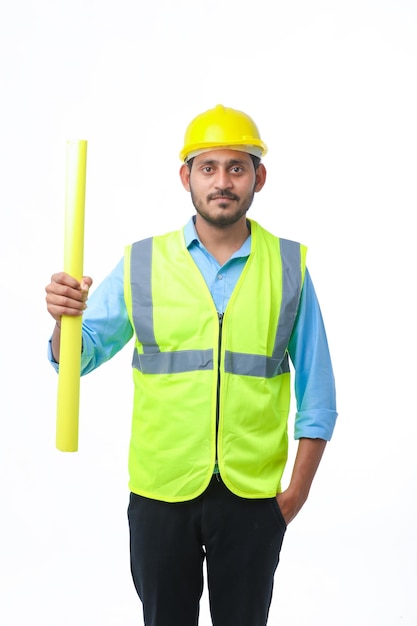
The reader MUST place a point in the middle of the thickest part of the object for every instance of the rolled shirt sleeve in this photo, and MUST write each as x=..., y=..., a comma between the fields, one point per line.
x=314, y=379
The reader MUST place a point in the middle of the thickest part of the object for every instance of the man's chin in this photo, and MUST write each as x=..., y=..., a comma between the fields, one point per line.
x=222, y=221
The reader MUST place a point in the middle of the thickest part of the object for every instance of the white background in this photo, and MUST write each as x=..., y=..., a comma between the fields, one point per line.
x=332, y=87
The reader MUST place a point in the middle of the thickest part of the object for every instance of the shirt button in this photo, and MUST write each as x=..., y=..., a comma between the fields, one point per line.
x=220, y=276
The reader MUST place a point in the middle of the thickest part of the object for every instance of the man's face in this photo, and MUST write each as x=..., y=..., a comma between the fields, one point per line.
x=222, y=185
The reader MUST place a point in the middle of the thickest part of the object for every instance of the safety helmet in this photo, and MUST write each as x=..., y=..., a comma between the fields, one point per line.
x=222, y=127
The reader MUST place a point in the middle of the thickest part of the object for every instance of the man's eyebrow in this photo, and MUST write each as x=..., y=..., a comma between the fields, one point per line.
x=226, y=163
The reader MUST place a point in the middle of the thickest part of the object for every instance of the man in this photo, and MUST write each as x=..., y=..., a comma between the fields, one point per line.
x=217, y=309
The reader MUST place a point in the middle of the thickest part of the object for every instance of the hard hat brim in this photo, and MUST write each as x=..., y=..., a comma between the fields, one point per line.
x=256, y=147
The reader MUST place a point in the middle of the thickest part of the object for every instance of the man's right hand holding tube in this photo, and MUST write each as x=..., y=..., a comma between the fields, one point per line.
x=65, y=295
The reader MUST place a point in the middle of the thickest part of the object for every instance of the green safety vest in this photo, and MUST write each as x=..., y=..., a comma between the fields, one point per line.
x=207, y=389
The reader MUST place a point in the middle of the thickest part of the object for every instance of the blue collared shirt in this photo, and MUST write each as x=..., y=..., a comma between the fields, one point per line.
x=107, y=329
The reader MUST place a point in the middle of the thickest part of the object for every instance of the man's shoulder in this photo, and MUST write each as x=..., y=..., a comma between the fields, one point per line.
x=262, y=231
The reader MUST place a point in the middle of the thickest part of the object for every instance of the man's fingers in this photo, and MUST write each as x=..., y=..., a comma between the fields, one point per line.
x=85, y=285
x=66, y=301
x=63, y=285
x=67, y=296
x=62, y=278
x=57, y=311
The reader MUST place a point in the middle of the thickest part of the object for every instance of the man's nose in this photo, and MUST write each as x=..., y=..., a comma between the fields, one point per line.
x=223, y=179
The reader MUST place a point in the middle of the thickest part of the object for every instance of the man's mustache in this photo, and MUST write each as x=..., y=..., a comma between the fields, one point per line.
x=223, y=193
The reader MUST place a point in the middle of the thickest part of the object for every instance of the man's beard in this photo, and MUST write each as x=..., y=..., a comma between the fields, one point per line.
x=225, y=219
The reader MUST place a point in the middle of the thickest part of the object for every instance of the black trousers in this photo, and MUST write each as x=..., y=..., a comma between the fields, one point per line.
x=240, y=538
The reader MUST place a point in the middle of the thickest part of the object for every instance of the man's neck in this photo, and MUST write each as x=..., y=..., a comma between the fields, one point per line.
x=222, y=241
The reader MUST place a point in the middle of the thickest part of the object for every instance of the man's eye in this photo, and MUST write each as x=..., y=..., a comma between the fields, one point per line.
x=207, y=169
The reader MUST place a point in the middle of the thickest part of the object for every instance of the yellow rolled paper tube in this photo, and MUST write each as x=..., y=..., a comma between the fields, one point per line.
x=70, y=347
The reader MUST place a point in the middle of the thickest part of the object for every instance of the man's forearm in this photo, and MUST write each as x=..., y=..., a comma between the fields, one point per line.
x=55, y=342
x=307, y=460
x=309, y=454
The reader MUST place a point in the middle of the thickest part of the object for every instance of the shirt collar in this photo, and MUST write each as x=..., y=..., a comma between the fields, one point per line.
x=190, y=233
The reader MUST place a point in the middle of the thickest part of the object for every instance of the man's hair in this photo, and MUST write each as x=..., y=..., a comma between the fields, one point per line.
x=255, y=160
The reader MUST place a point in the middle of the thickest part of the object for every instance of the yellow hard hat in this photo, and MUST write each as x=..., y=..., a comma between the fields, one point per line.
x=222, y=127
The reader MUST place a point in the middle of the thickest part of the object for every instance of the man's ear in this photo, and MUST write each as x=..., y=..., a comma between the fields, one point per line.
x=260, y=177
x=185, y=176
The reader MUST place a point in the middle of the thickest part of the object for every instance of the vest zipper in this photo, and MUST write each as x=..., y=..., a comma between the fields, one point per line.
x=220, y=316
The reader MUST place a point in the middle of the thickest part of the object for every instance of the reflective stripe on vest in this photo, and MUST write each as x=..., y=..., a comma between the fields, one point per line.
x=153, y=361
x=278, y=363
